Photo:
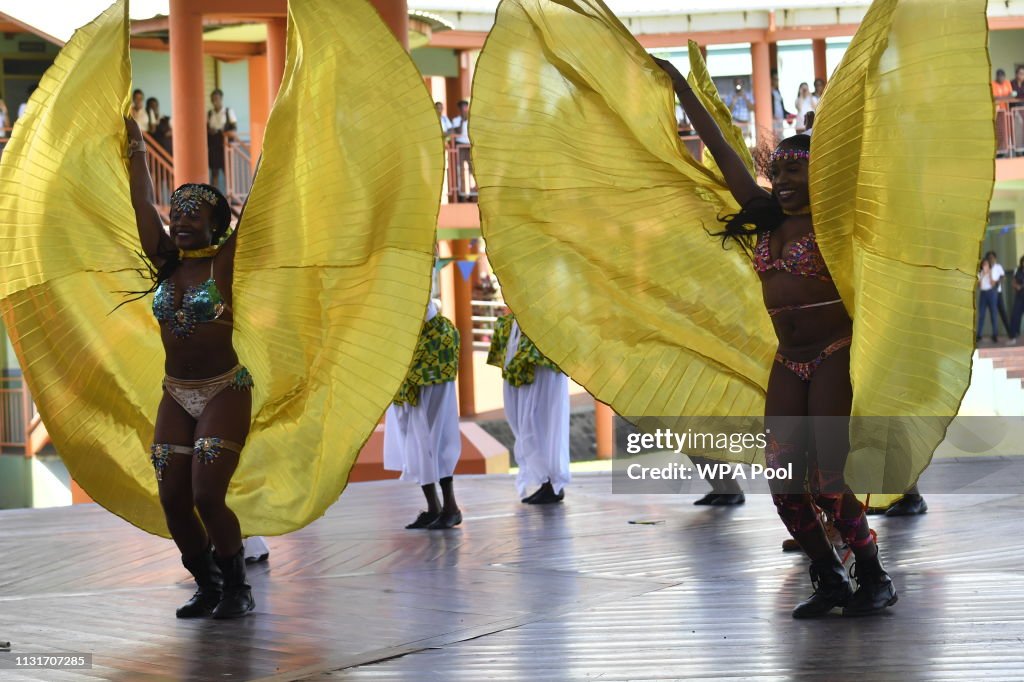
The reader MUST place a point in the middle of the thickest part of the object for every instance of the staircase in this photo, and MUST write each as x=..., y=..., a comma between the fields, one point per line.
x=997, y=383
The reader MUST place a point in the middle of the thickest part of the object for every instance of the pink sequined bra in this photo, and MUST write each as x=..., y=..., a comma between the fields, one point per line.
x=803, y=258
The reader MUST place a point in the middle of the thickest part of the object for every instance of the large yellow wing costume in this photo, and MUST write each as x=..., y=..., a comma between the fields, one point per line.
x=332, y=271
x=901, y=178
x=596, y=216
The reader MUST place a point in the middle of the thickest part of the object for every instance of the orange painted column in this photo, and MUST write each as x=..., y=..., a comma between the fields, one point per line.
x=604, y=429
x=464, y=322
x=762, y=90
x=259, y=101
x=820, y=61
x=277, y=38
x=395, y=14
x=188, y=99
x=773, y=56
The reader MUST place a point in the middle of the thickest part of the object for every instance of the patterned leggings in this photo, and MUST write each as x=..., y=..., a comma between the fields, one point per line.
x=800, y=511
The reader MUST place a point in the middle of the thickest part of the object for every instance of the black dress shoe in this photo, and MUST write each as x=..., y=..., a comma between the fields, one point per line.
x=875, y=591
x=707, y=500
x=529, y=498
x=831, y=588
x=423, y=520
x=547, y=495
x=258, y=559
x=729, y=500
x=446, y=520
x=909, y=505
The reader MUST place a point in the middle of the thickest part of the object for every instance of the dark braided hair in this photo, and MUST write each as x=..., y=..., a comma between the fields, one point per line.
x=760, y=215
x=221, y=223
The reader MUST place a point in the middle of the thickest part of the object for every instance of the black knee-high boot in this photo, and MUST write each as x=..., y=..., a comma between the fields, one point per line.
x=831, y=587
x=237, y=600
x=875, y=590
x=210, y=582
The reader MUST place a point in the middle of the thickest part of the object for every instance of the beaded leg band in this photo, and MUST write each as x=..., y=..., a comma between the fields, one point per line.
x=160, y=455
x=208, y=448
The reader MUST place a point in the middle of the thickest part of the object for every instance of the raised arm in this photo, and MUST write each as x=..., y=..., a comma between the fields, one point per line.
x=152, y=238
x=741, y=183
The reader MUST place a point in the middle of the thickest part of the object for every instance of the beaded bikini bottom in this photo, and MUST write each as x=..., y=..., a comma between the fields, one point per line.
x=195, y=394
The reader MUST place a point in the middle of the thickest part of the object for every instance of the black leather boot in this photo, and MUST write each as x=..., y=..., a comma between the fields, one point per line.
x=211, y=585
x=875, y=591
x=831, y=588
x=237, y=600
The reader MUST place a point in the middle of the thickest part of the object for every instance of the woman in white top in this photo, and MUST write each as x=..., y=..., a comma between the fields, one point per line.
x=805, y=103
x=986, y=299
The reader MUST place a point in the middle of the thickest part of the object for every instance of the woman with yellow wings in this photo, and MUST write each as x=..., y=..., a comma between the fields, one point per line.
x=320, y=291
x=845, y=291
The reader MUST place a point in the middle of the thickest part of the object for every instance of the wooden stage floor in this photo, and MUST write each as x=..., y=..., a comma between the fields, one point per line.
x=571, y=592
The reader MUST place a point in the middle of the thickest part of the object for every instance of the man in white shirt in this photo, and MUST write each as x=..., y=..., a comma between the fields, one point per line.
x=221, y=125
x=460, y=130
x=779, y=113
x=446, y=123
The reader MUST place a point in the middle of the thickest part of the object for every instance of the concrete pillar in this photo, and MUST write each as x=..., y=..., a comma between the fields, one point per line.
x=820, y=61
x=188, y=98
x=259, y=101
x=277, y=39
x=604, y=429
x=395, y=14
x=762, y=90
x=463, y=319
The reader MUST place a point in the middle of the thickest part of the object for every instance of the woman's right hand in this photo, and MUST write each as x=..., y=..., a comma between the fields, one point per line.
x=134, y=132
x=669, y=68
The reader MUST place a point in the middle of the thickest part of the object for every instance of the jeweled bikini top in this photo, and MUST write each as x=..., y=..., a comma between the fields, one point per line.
x=199, y=304
x=803, y=258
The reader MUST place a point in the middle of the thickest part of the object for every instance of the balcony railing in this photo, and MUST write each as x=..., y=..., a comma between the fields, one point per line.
x=161, y=169
x=1010, y=128
x=238, y=170
x=21, y=428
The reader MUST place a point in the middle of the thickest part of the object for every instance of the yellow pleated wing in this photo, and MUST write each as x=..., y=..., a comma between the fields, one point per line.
x=332, y=272
x=901, y=176
x=597, y=218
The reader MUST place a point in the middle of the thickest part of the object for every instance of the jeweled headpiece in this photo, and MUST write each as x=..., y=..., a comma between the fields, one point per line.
x=790, y=155
x=187, y=200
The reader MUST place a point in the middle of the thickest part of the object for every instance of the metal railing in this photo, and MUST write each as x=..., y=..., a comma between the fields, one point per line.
x=161, y=169
x=1010, y=128
x=238, y=169
x=18, y=415
x=461, y=181
x=484, y=318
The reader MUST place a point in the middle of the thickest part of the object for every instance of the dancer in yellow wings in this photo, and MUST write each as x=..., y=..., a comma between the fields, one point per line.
x=283, y=341
x=845, y=290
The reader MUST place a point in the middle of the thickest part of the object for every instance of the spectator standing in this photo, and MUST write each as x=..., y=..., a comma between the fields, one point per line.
x=24, y=105
x=460, y=131
x=819, y=91
x=138, y=111
x=446, y=123
x=779, y=113
x=1018, y=301
x=805, y=103
x=221, y=125
x=740, y=105
x=159, y=126
x=986, y=300
x=998, y=274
